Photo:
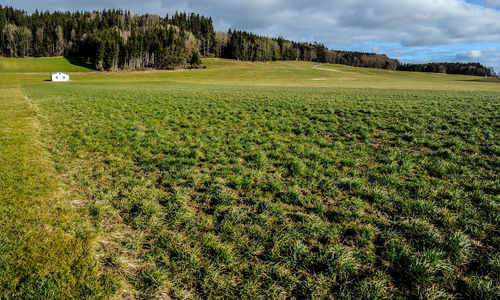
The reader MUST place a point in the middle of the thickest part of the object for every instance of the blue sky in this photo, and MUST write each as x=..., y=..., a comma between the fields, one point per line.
x=410, y=30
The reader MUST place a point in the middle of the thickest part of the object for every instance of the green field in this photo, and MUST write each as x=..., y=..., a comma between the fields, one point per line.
x=250, y=180
x=45, y=65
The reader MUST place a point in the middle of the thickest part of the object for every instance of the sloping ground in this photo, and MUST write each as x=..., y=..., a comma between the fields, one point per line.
x=492, y=80
x=231, y=72
x=45, y=249
x=291, y=74
x=43, y=65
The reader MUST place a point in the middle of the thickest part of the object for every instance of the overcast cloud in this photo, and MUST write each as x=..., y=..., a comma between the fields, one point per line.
x=411, y=30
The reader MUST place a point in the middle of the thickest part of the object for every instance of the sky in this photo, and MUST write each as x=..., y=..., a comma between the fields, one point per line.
x=412, y=31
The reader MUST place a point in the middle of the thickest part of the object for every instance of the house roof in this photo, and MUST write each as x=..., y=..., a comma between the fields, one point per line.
x=59, y=73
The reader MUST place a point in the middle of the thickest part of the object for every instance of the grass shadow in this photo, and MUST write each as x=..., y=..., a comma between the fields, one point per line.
x=488, y=79
x=79, y=61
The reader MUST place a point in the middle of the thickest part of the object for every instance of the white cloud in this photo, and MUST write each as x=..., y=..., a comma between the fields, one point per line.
x=471, y=55
x=493, y=3
x=475, y=54
x=409, y=22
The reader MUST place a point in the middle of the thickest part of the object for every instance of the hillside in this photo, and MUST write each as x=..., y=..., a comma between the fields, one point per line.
x=231, y=72
x=48, y=65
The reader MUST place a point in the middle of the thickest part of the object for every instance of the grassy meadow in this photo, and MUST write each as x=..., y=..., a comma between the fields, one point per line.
x=48, y=65
x=250, y=180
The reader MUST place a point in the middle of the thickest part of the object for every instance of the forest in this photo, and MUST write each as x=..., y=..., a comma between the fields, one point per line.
x=116, y=39
x=449, y=68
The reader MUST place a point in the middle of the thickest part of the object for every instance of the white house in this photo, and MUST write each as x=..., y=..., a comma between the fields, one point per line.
x=60, y=77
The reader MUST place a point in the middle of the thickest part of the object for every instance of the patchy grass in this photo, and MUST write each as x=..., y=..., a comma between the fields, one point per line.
x=248, y=180
x=256, y=191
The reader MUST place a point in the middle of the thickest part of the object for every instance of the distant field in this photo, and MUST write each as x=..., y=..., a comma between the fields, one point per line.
x=492, y=80
x=253, y=180
x=229, y=72
x=45, y=65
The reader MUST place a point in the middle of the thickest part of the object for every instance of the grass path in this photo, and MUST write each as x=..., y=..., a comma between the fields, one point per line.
x=45, y=250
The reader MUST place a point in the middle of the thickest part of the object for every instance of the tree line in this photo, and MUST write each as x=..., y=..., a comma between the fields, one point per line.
x=243, y=45
x=115, y=39
x=111, y=39
x=475, y=69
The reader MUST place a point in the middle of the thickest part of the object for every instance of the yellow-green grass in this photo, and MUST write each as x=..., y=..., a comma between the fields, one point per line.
x=45, y=248
x=43, y=65
x=230, y=72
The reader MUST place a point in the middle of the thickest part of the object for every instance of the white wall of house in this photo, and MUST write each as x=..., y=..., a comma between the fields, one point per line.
x=60, y=77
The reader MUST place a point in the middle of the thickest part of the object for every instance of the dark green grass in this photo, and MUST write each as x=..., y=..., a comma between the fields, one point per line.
x=264, y=192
